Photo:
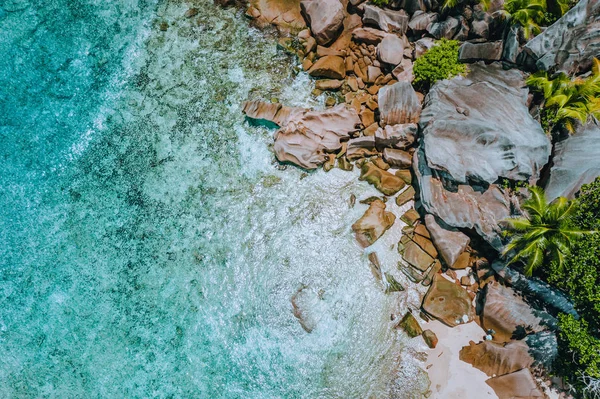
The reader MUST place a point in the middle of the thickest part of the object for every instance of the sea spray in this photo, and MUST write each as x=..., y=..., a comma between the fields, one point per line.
x=162, y=259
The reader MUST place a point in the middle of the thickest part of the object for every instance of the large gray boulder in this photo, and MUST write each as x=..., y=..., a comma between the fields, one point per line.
x=464, y=207
x=576, y=162
x=325, y=17
x=386, y=20
x=478, y=127
x=570, y=43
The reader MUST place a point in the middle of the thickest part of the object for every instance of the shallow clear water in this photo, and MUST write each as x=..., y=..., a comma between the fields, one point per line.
x=150, y=247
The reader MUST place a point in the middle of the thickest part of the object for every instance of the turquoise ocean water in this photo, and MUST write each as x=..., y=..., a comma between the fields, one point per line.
x=149, y=247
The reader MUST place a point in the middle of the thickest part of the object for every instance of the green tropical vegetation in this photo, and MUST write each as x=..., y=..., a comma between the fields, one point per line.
x=528, y=14
x=439, y=62
x=568, y=100
x=562, y=236
x=545, y=235
x=380, y=3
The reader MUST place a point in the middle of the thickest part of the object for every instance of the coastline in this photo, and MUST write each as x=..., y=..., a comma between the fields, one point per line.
x=334, y=57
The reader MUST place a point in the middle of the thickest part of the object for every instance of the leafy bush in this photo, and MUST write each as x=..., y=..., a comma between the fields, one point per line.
x=579, y=350
x=569, y=100
x=380, y=3
x=579, y=343
x=580, y=276
x=439, y=62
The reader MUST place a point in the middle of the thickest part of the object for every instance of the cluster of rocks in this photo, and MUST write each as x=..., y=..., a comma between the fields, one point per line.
x=447, y=151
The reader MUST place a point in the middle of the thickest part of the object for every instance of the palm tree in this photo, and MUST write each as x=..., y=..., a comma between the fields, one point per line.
x=526, y=13
x=545, y=234
x=573, y=99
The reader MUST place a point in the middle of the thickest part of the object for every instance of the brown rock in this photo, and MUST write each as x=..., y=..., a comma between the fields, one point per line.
x=448, y=302
x=373, y=223
x=425, y=244
x=361, y=147
x=410, y=217
x=465, y=280
x=373, y=89
x=399, y=136
x=328, y=84
x=323, y=51
x=384, y=181
x=375, y=265
x=421, y=230
x=367, y=117
x=398, y=103
x=306, y=64
x=344, y=164
x=449, y=241
x=370, y=131
x=371, y=104
x=404, y=174
x=349, y=65
x=305, y=135
x=368, y=35
x=405, y=196
x=517, y=385
x=410, y=325
x=373, y=73
x=283, y=13
x=507, y=314
x=192, y=12
x=397, y=158
x=329, y=162
x=430, y=338
x=330, y=66
x=404, y=71
x=462, y=262
x=415, y=256
x=386, y=19
x=380, y=163
x=325, y=17
x=497, y=359
x=352, y=83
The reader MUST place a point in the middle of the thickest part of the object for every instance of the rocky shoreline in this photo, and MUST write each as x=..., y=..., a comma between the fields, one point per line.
x=443, y=152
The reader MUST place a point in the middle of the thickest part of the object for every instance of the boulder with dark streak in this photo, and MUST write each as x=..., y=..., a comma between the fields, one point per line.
x=508, y=315
x=463, y=207
x=478, y=127
x=576, y=162
x=517, y=385
x=497, y=359
x=449, y=241
x=385, y=19
x=571, y=43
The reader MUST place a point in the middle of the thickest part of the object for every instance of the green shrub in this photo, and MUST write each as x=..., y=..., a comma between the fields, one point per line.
x=380, y=3
x=580, y=274
x=579, y=350
x=526, y=13
x=439, y=62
